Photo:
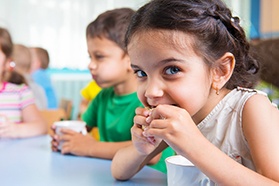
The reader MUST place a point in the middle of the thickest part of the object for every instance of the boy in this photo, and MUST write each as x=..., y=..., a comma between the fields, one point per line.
x=113, y=109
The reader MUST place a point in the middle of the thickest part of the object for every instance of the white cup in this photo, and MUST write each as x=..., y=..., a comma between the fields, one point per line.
x=182, y=172
x=75, y=125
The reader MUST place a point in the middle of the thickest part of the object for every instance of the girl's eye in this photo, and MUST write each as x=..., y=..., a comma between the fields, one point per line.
x=140, y=73
x=172, y=70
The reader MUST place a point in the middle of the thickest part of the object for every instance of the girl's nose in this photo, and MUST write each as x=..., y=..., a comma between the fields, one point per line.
x=154, y=90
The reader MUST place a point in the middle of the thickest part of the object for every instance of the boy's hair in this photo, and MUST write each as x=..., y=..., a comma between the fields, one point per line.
x=112, y=25
x=42, y=55
x=214, y=29
x=6, y=45
x=22, y=58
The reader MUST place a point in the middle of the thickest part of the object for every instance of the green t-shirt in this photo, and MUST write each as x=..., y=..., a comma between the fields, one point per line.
x=112, y=114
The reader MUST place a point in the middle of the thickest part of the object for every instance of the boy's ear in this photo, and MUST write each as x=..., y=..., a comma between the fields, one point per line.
x=223, y=70
x=127, y=62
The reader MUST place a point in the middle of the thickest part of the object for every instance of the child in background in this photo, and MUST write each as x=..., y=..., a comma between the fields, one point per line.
x=22, y=59
x=191, y=59
x=88, y=93
x=113, y=109
x=20, y=118
x=39, y=66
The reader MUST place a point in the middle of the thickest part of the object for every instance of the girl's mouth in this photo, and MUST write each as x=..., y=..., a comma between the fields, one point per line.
x=153, y=106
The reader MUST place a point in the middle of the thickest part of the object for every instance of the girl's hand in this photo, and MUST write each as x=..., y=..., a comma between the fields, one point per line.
x=7, y=128
x=76, y=143
x=174, y=125
x=144, y=144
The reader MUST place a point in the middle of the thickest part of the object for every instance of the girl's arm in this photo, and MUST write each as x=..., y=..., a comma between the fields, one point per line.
x=128, y=161
x=33, y=124
x=261, y=129
x=260, y=126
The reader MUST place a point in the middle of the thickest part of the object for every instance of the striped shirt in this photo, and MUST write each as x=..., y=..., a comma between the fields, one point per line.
x=13, y=99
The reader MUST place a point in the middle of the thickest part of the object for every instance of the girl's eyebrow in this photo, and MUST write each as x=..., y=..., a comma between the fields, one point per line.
x=170, y=60
x=134, y=66
x=162, y=62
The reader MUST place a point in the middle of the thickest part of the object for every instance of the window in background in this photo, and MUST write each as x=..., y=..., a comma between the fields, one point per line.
x=241, y=8
x=57, y=25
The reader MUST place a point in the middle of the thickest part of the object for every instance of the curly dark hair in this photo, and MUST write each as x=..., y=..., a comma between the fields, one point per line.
x=213, y=27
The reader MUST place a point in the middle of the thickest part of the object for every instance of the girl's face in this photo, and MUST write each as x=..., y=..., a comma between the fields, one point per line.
x=108, y=63
x=3, y=61
x=170, y=72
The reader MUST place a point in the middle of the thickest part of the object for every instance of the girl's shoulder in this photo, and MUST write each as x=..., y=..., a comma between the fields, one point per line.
x=258, y=96
x=11, y=87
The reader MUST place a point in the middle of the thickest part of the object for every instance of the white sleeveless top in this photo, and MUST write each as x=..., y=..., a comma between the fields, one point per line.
x=223, y=126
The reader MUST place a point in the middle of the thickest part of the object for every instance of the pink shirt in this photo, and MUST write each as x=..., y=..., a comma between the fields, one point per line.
x=13, y=99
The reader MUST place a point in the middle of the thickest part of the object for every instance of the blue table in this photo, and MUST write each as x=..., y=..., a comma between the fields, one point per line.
x=31, y=162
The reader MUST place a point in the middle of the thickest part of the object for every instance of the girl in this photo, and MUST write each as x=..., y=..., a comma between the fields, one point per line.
x=191, y=58
x=20, y=117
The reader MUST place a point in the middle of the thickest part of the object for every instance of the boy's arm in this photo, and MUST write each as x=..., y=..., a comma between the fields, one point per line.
x=128, y=161
x=80, y=145
x=85, y=145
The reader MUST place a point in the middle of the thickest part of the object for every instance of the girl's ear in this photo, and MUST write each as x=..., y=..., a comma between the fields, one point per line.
x=223, y=70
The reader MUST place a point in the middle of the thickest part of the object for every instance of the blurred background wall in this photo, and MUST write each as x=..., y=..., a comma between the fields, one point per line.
x=59, y=26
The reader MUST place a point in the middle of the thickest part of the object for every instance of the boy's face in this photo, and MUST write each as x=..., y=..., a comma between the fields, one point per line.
x=108, y=63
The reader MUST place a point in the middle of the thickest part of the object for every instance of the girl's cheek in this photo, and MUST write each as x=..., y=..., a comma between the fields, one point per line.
x=141, y=96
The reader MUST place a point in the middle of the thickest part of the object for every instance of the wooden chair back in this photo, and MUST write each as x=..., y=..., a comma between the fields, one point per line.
x=67, y=106
x=52, y=115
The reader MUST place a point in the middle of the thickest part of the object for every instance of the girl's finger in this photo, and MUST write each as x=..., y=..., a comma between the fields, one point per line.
x=142, y=111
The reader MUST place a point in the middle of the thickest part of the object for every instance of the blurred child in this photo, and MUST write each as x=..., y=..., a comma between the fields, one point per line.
x=39, y=66
x=20, y=117
x=22, y=59
x=192, y=60
x=88, y=93
x=113, y=109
